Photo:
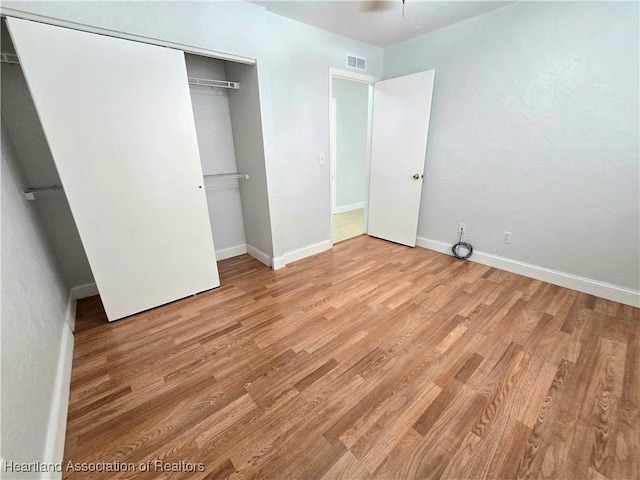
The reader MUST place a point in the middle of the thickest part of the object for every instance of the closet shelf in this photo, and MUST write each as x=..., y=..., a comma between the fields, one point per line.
x=244, y=176
x=32, y=193
x=205, y=82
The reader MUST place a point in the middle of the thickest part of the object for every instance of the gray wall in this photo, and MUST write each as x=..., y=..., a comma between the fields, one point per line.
x=300, y=57
x=352, y=114
x=534, y=124
x=534, y=130
x=34, y=302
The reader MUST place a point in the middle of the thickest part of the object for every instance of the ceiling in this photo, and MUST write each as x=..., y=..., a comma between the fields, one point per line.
x=380, y=23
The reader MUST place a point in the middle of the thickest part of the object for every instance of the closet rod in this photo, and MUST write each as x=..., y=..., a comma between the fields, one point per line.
x=205, y=82
x=244, y=176
x=9, y=58
x=32, y=193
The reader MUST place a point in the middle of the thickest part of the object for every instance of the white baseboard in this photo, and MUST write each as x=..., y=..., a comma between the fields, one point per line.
x=84, y=291
x=278, y=262
x=77, y=292
x=307, y=251
x=71, y=311
x=54, y=446
x=562, y=279
x=300, y=253
x=234, y=251
x=259, y=255
x=348, y=208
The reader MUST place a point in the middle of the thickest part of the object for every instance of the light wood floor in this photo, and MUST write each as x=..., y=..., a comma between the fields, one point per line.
x=370, y=361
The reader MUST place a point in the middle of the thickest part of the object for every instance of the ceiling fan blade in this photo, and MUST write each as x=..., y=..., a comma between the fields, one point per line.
x=376, y=5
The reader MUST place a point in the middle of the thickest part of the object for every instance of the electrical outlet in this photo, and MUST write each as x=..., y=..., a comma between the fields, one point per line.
x=462, y=228
x=506, y=237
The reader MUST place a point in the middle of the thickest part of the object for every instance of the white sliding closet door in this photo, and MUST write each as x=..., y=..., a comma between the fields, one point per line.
x=118, y=119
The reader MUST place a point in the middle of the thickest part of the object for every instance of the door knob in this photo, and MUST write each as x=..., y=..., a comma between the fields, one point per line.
x=416, y=176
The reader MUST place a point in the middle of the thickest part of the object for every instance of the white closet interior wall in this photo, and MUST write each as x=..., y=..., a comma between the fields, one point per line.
x=23, y=125
x=246, y=118
x=217, y=154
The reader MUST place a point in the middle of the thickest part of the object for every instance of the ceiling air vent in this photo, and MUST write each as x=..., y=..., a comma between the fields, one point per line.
x=356, y=62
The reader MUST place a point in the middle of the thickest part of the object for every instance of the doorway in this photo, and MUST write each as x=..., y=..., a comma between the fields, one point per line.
x=351, y=109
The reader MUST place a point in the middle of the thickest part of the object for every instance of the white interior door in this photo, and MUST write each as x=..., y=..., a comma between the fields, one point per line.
x=401, y=112
x=119, y=122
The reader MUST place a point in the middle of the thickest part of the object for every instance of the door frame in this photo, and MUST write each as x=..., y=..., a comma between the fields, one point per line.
x=357, y=77
x=332, y=153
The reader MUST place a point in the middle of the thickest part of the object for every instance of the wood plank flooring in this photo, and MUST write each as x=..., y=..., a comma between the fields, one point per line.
x=372, y=361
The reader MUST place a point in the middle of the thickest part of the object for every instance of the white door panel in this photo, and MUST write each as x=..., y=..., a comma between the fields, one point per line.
x=401, y=112
x=119, y=122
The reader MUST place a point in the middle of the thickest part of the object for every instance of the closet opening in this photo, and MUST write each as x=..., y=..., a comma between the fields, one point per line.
x=223, y=118
x=226, y=110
